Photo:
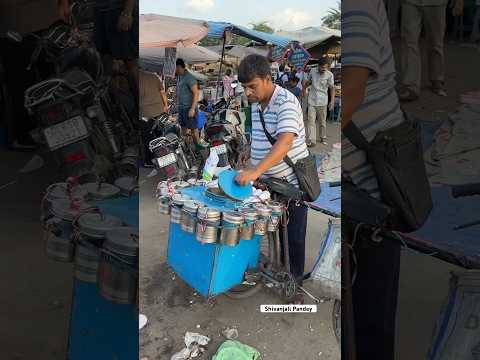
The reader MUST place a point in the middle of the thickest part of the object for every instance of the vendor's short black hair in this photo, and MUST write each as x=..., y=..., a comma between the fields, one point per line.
x=181, y=63
x=323, y=61
x=228, y=72
x=253, y=66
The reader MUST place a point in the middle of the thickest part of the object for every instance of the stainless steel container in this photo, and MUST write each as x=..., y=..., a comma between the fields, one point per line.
x=92, y=228
x=164, y=205
x=208, y=223
x=231, y=228
x=248, y=229
x=189, y=216
x=58, y=229
x=176, y=210
x=101, y=191
x=59, y=191
x=261, y=224
x=128, y=185
x=117, y=276
x=277, y=211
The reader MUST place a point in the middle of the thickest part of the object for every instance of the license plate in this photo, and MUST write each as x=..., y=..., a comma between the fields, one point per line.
x=220, y=149
x=65, y=133
x=166, y=160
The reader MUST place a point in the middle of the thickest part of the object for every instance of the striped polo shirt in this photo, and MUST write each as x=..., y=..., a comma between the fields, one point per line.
x=282, y=115
x=366, y=43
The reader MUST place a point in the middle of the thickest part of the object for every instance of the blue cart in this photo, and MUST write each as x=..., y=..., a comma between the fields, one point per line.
x=100, y=329
x=211, y=269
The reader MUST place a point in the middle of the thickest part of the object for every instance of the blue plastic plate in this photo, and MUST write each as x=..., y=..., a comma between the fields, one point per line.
x=227, y=183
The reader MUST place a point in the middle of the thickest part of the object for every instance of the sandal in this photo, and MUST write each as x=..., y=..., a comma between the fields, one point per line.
x=298, y=299
x=407, y=95
x=438, y=88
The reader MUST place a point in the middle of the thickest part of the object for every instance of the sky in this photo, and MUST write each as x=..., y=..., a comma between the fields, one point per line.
x=281, y=14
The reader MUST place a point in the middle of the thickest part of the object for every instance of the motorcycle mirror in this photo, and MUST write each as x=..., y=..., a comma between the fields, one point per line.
x=15, y=36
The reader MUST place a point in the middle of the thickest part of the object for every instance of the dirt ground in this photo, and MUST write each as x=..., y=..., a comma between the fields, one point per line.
x=173, y=308
x=423, y=279
x=35, y=292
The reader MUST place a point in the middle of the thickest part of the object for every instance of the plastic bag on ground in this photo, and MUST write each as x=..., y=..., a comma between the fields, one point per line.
x=232, y=349
x=193, y=341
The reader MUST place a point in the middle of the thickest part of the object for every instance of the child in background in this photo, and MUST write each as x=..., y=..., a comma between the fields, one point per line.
x=292, y=86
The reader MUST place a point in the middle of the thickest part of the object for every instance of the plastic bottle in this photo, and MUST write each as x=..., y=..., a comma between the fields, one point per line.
x=210, y=166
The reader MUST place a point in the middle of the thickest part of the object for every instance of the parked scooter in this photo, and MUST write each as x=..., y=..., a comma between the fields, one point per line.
x=224, y=133
x=72, y=106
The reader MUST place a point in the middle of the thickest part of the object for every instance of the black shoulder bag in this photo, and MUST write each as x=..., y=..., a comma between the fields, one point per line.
x=396, y=155
x=305, y=169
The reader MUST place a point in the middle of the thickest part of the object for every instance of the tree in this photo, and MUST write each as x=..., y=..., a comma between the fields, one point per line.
x=333, y=19
x=263, y=27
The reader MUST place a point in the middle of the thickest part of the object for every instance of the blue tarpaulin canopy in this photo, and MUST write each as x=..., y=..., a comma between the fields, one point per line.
x=216, y=29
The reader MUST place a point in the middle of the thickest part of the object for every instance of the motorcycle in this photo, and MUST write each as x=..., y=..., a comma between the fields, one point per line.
x=169, y=158
x=224, y=133
x=72, y=106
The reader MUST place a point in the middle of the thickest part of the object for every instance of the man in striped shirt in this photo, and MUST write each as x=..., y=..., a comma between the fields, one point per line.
x=284, y=121
x=370, y=101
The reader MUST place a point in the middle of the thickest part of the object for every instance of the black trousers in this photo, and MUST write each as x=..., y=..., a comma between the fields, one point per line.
x=297, y=230
x=375, y=293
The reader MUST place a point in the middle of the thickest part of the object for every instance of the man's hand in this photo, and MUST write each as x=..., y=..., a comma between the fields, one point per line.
x=247, y=176
x=124, y=21
x=64, y=10
x=191, y=113
x=331, y=106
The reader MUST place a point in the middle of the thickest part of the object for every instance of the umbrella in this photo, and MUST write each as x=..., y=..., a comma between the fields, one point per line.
x=168, y=31
x=152, y=58
x=312, y=36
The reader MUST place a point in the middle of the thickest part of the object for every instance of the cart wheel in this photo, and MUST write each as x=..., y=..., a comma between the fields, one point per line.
x=290, y=285
x=337, y=320
x=244, y=291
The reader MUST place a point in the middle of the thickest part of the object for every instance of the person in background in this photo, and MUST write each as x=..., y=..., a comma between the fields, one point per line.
x=188, y=96
x=475, y=34
x=17, y=16
x=240, y=93
x=116, y=36
x=292, y=86
x=227, y=84
x=282, y=76
x=321, y=83
x=431, y=16
x=284, y=121
x=153, y=99
x=153, y=102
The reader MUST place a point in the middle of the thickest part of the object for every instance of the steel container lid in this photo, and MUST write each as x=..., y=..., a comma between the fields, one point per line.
x=102, y=190
x=65, y=210
x=233, y=217
x=96, y=225
x=276, y=206
x=60, y=191
x=191, y=206
x=250, y=214
x=179, y=199
x=263, y=210
x=122, y=240
x=127, y=184
x=209, y=214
